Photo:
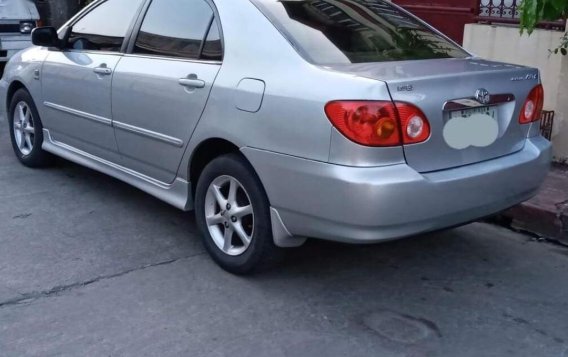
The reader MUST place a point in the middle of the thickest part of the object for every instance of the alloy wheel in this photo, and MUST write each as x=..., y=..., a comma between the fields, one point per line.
x=24, y=131
x=229, y=215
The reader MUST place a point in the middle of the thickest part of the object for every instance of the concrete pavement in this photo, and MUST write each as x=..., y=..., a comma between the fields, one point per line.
x=92, y=267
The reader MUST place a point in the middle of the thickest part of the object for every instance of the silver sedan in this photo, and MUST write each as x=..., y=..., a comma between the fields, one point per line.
x=279, y=120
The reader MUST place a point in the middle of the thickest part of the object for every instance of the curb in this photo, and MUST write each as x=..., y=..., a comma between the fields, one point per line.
x=531, y=218
x=546, y=214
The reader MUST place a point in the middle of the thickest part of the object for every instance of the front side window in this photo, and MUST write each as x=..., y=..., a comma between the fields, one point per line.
x=355, y=31
x=174, y=28
x=104, y=27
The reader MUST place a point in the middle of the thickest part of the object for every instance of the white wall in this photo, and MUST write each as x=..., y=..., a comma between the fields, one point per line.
x=504, y=43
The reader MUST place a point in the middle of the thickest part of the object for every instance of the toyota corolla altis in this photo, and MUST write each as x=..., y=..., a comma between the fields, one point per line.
x=279, y=120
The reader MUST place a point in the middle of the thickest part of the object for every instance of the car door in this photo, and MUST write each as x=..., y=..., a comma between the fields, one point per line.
x=162, y=84
x=76, y=81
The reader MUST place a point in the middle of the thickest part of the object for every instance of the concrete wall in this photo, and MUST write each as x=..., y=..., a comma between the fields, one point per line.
x=504, y=43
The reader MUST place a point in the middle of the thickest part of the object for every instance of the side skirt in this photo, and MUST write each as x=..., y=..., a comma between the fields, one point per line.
x=177, y=194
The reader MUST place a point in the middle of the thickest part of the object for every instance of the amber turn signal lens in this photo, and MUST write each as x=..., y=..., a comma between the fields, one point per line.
x=386, y=128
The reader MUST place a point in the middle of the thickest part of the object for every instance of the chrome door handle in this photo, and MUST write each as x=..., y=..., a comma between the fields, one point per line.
x=191, y=82
x=103, y=70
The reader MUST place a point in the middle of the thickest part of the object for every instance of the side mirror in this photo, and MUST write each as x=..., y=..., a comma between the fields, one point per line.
x=46, y=37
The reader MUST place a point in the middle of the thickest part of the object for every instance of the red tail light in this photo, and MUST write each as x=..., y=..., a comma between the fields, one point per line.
x=532, y=108
x=379, y=123
x=415, y=126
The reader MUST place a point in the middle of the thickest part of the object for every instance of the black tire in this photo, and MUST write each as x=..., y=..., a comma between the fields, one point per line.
x=36, y=158
x=262, y=252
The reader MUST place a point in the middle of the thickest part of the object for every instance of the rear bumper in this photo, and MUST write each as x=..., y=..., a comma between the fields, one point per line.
x=367, y=205
x=10, y=45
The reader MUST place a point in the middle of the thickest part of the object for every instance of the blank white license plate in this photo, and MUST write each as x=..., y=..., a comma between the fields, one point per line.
x=466, y=113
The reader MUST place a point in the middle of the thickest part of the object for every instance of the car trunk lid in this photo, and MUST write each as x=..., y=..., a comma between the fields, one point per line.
x=433, y=85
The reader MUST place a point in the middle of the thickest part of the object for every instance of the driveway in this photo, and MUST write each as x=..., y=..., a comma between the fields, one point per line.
x=92, y=267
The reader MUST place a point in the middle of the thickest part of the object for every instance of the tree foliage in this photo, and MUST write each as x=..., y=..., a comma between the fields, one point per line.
x=534, y=11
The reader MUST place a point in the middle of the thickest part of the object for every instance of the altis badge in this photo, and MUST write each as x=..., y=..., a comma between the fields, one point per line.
x=528, y=77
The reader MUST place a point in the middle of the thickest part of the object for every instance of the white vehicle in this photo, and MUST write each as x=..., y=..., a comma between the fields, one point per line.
x=17, y=20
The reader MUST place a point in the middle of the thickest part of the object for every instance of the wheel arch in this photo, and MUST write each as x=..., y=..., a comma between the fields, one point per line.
x=212, y=148
x=204, y=153
x=12, y=89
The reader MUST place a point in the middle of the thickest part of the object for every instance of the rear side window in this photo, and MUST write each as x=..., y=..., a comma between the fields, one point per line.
x=213, y=47
x=175, y=28
x=355, y=31
x=104, y=27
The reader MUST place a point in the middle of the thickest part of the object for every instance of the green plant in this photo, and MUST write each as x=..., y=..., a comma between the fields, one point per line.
x=534, y=11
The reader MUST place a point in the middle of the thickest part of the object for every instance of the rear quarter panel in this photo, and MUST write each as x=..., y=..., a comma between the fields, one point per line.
x=291, y=119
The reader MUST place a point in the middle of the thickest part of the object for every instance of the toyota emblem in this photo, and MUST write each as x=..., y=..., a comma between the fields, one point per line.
x=482, y=95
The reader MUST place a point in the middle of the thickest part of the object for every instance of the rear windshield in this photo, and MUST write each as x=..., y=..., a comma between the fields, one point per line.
x=355, y=31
